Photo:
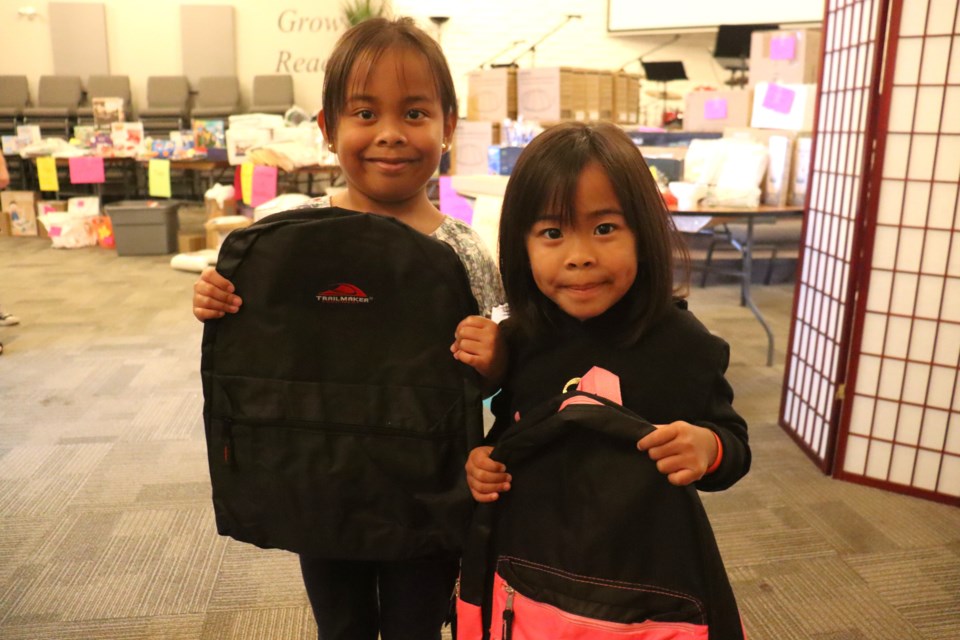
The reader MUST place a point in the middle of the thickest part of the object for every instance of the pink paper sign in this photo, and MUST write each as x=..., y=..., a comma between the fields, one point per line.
x=264, y=185
x=715, y=109
x=86, y=170
x=779, y=98
x=783, y=47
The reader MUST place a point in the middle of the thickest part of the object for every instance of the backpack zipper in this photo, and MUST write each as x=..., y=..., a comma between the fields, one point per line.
x=507, y=630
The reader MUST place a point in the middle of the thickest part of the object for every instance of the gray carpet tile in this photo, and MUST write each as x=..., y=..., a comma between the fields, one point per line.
x=107, y=530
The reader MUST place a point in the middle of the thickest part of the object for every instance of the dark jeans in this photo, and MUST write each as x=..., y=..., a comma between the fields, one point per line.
x=403, y=600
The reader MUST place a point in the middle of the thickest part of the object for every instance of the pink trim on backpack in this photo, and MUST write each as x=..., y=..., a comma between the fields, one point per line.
x=469, y=621
x=534, y=620
x=599, y=382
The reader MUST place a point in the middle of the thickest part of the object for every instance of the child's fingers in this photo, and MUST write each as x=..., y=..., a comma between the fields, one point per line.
x=655, y=438
x=478, y=487
x=484, y=497
x=683, y=477
x=203, y=314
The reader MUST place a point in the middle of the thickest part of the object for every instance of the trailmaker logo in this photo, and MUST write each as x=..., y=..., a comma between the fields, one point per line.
x=344, y=293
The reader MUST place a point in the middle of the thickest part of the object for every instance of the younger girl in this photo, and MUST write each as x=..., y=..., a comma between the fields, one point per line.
x=587, y=257
x=389, y=112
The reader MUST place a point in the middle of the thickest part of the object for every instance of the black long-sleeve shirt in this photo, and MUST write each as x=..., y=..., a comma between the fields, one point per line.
x=674, y=372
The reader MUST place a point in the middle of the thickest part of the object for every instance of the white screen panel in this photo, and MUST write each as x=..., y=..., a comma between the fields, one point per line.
x=909, y=293
x=839, y=165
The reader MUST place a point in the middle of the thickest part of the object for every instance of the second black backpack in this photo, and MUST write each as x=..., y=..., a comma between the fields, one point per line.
x=337, y=420
x=591, y=542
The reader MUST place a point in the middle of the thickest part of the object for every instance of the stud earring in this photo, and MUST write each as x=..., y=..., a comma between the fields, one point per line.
x=444, y=147
x=330, y=147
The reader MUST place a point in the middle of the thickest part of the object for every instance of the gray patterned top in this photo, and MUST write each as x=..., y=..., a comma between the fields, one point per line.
x=484, y=276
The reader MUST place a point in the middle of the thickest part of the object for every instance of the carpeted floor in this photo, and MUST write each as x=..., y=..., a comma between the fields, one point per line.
x=106, y=527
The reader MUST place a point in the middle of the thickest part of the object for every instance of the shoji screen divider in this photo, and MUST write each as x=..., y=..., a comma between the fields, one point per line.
x=845, y=117
x=895, y=422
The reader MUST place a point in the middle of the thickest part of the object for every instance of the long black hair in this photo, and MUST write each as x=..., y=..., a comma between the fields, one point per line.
x=545, y=179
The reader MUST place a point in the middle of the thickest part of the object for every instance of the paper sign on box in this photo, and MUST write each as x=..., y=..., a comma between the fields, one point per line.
x=47, y=174
x=263, y=185
x=86, y=170
x=783, y=47
x=783, y=106
x=715, y=109
x=159, y=178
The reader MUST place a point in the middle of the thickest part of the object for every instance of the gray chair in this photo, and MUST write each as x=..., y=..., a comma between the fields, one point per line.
x=14, y=98
x=58, y=98
x=168, y=103
x=218, y=97
x=272, y=94
x=106, y=87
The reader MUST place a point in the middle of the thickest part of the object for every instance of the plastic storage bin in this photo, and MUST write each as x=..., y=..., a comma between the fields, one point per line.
x=144, y=227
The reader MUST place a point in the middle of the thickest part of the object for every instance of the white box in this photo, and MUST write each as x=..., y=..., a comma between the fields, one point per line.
x=539, y=94
x=240, y=140
x=492, y=94
x=470, y=144
x=783, y=106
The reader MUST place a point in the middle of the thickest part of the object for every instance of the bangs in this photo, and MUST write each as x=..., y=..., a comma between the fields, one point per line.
x=367, y=59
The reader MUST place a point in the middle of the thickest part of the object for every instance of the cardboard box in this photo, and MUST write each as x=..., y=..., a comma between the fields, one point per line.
x=144, y=227
x=189, y=242
x=214, y=209
x=492, y=94
x=220, y=227
x=21, y=207
x=626, y=98
x=605, y=92
x=547, y=94
x=786, y=57
x=783, y=106
x=49, y=206
x=4, y=223
x=713, y=111
x=470, y=147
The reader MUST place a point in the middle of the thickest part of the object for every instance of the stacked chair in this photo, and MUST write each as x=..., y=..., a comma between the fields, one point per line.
x=58, y=99
x=218, y=97
x=14, y=98
x=272, y=94
x=168, y=104
x=106, y=87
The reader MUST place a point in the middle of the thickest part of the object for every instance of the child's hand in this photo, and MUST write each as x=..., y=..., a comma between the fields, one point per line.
x=213, y=296
x=477, y=343
x=683, y=452
x=486, y=476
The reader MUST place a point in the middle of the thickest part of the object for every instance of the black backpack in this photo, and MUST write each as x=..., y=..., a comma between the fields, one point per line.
x=592, y=541
x=337, y=420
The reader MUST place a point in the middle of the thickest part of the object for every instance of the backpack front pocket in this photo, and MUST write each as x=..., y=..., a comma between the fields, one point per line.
x=527, y=605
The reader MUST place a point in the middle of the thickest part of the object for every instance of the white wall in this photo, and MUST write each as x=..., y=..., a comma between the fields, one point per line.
x=295, y=36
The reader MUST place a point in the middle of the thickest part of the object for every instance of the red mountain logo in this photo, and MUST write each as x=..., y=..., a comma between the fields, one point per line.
x=344, y=293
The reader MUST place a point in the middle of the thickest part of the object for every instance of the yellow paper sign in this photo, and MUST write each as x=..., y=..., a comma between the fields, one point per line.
x=246, y=181
x=159, y=178
x=47, y=174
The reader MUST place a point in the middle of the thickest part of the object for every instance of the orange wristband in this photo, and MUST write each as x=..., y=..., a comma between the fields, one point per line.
x=716, y=463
